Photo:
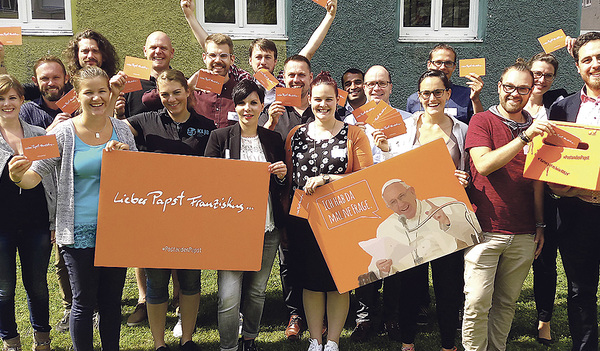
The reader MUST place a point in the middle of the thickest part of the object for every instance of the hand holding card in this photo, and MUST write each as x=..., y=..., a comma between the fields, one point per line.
x=40, y=147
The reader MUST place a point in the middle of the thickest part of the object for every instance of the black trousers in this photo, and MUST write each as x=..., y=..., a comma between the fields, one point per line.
x=580, y=249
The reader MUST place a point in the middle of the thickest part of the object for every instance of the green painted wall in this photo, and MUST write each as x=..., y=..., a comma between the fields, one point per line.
x=126, y=24
x=365, y=33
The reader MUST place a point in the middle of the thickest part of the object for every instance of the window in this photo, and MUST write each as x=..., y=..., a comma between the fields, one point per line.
x=243, y=19
x=438, y=20
x=590, y=12
x=37, y=17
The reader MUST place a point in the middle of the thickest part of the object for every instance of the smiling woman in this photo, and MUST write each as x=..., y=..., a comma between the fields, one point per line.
x=26, y=218
x=81, y=141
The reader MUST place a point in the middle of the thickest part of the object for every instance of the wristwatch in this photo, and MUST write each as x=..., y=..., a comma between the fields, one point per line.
x=326, y=178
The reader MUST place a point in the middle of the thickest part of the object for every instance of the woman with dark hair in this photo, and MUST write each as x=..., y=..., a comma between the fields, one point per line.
x=544, y=68
x=316, y=153
x=245, y=140
x=26, y=219
x=81, y=141
x=176, y=129
x=422, y=127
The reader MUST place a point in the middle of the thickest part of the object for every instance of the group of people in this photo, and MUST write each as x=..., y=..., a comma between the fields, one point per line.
x=56, y=200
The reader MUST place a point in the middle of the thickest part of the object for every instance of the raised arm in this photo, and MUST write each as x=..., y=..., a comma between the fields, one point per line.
x=319, y=34
x=189, y=8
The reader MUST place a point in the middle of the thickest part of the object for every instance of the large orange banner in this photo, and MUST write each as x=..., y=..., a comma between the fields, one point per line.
x=172, y=211
x=390, y=217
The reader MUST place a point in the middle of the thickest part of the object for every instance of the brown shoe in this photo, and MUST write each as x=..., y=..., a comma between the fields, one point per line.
x=138, y=316
x=294, y=328
x=41, y=341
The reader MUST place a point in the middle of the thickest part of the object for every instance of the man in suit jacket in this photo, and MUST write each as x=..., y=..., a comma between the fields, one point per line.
x=580, y=208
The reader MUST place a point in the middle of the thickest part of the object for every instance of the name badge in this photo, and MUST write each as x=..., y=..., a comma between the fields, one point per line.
x=233, y=116
x=451, y=111
x=338, y=153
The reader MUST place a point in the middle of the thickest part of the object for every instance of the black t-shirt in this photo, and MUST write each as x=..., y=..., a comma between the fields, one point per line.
x=157, y=132
x=134, y=104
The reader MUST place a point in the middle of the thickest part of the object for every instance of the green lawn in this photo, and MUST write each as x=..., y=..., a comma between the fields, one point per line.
x=522, y=336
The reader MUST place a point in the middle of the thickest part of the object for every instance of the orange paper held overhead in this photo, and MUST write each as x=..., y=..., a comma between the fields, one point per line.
x=11, y=36
x=289, y=96
x=556, y=159
x=137, y=68
x=68, y=103
x=354, y=227
x=210, y=82
x=189, y=212
x=553, y=41
x=468, y=66
x=40, y=147
x=321, y=2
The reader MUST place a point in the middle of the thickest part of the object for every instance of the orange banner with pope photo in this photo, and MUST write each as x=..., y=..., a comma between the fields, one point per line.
x=390, y=217
x=187, y=212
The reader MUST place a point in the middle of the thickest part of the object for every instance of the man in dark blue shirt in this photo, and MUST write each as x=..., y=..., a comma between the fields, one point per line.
x=50, y=77
x=464, y=101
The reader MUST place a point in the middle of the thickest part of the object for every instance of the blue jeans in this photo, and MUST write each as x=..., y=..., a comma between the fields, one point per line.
x=34, y=252
x=94, y=286
x=157, y=283
x=247, y=288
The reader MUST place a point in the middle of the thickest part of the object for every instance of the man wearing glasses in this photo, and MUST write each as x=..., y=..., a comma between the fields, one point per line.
x=464, y=101
x=509, y=208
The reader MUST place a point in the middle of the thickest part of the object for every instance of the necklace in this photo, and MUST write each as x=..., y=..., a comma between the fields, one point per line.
x=97, y=134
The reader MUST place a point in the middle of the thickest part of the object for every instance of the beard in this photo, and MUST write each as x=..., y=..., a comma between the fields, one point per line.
x=52, y=95
x=512, y=106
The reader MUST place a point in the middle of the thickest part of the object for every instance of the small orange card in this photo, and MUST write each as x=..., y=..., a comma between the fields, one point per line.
x=469, y=66
x=288, y=96
x=210, y=81
x=553, y=41
x=386, y=118
x=563, y=138
x=68, y=103
x=321, y=2
x=362, y=113
x=266, y=79
x=40, y=147
x=342, y=97
x=137, y=67
x=132, y=84
x=11, y=36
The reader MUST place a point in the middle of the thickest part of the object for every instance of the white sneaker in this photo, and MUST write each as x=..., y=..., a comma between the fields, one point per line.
x=177, y=331
x=314, y=345
x=331, y=346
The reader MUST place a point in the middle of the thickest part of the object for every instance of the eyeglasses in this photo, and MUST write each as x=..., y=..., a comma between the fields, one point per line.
x=509, y=89
x=547, y=76
x=382, y=84
x=439, y=64
x=426, y=94
x=222, y=56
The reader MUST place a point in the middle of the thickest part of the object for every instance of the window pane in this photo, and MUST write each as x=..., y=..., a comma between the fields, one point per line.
x=417, y=13
x=219, y=11
x=262, y=12
x=455, y=13
x=8, y=9
x=48, y=9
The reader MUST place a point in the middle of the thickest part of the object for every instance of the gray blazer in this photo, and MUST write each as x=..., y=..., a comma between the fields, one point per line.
x=63, y=166
x=49, y=183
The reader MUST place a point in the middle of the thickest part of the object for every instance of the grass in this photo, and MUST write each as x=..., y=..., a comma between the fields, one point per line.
x=522, y=335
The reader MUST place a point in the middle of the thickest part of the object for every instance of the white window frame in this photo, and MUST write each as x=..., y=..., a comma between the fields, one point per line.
x=42, y=27
x=435, y=32
x=241, y=29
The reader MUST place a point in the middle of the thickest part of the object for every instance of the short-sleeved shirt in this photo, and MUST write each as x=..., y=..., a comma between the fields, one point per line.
x=503, y=200
x=217, y=107
x=157, y=132
x=458, y=106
